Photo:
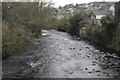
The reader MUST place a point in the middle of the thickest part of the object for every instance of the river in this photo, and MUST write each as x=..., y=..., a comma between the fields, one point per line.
x=60, y=55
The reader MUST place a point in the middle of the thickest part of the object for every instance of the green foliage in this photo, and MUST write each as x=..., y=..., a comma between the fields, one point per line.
x=114, y=43
x=63, y=24
x=12, y=42
x=21, y=21
x=12, y=47
x=88, y=29
x=104, y=34
x=74, y=23
x=108, y=29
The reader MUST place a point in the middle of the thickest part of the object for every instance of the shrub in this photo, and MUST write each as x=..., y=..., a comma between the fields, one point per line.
x=12, y=42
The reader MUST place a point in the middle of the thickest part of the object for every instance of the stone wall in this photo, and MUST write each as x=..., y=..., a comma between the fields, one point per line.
x=117, y=18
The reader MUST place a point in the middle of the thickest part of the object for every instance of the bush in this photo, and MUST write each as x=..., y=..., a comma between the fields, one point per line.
x=12, y=42
x=74, y=23
x=13, y=47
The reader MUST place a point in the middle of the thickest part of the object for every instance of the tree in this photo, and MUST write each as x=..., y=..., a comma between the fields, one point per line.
x=108, y=28
x=74, y=22
x=22, y=20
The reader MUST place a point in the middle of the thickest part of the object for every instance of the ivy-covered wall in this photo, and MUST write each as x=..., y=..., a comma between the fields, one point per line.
x=117, y=18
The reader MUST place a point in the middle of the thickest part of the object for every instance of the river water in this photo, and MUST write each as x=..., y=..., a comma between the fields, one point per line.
x=59, y=55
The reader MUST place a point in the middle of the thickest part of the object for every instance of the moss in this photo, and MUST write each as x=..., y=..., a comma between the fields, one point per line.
x=13, y=46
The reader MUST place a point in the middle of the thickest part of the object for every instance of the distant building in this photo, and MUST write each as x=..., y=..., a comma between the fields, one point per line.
x=99, y=9
x=112, y=9
x=98, y=18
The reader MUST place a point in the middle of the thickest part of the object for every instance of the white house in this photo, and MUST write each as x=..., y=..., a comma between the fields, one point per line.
x=112, y=9
x=98, y=18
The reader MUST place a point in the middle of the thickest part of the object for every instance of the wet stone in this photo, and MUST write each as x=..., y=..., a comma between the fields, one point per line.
x=102, y=52
x=94, y=64
x=107, y=75
x=115, y=76
x=106, y=67
x=73, y=48
x=80, y=49
x=89, y=72
x=78, y=54
x=71, y=72
x=51, y=58
x=38, y=41
x=96, y=59
x=83, y=57
x=86, y=68
x=110, y=64
x=99, y=57
x=70, y=48
x=86, y=47
x=98, y=75
x=87, y=56
x=105, y=58
x=115, y=68
x=97, y=71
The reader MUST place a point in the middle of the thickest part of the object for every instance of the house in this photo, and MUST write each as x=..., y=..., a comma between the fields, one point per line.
x=99, y=15
x=98, y=18
x=112, y=9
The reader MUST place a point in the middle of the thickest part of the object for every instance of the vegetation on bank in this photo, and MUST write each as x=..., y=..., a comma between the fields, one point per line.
x=22, y=21
x=104, y=34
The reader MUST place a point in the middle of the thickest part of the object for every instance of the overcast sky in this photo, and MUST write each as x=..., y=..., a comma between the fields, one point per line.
x=64, y=2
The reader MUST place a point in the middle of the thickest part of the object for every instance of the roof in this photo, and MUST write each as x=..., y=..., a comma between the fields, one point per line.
x=100, y=12
x=99, y=16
